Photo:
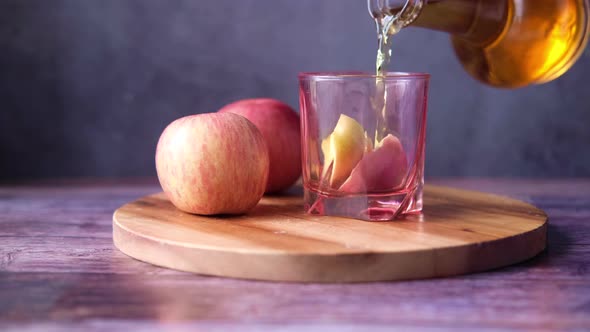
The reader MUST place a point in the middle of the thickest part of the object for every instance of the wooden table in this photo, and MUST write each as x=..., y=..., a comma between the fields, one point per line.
x=59, y=269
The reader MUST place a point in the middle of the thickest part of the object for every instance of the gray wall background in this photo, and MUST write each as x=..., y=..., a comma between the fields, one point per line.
x=87, y=86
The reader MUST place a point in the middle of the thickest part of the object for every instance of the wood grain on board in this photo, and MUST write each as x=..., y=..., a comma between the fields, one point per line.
x=459, y=232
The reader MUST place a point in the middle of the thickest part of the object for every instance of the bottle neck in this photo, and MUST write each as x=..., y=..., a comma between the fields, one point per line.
x=452, y=16
x=479, y=21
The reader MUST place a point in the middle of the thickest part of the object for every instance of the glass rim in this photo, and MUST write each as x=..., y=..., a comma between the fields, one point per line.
x=338, y=75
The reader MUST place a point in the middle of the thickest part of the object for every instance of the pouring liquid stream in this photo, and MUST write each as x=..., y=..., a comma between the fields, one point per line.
x=388, y=25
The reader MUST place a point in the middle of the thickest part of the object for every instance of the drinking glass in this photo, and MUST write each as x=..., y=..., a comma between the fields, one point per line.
x=363, y=142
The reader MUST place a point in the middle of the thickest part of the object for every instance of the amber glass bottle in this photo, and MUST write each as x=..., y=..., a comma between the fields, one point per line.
x=504, y=43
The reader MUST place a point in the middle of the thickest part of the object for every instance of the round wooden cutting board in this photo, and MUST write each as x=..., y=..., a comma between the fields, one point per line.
x=459, y=232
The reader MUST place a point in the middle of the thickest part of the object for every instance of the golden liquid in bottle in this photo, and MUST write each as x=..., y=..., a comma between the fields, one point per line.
x=512, y=43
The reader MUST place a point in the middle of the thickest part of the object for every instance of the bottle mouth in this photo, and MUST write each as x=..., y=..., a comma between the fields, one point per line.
x=381, y=8
x=405, y=11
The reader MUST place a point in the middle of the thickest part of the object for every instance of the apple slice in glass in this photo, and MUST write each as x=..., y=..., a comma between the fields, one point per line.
x=382, y=169
x=343, y=149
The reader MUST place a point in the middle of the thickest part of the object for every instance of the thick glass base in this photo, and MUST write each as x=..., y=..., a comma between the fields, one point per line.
x=369, y=207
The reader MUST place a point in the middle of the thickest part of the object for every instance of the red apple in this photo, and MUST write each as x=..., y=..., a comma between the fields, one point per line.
x=212, y=164
x=279, y=124
x=382, y=169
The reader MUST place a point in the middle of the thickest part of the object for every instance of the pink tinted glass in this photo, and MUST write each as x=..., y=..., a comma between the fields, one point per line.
x=362, y=157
